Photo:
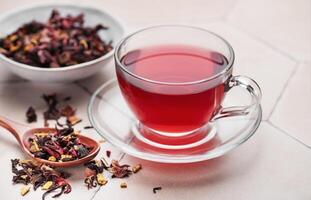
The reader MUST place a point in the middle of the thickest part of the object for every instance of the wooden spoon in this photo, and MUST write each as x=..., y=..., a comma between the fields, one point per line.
x=17, y=128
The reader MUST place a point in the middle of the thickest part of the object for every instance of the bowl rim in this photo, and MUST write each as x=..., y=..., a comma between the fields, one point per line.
x=81, y=6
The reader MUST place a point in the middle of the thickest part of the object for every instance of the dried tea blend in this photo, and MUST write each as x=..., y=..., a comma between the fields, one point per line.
x=40, y=175
x=96, y=168
x=55, y=111
x=61, y=146
x=60, y=42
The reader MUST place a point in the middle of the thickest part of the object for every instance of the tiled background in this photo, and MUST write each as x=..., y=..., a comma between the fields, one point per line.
x=272, y=42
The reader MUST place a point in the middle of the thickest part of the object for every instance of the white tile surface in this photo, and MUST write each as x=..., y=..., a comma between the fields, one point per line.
x=283, y=24
x=144, y=13
x=293, y=112
x=269, y=166
x=147, y=13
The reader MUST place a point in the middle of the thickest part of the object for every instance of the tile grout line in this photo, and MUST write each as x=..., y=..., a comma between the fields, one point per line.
x=264, y=42
x=292, y=74
x=287, y=134
x=13, y=81
x=85, y=89
x=95, y=193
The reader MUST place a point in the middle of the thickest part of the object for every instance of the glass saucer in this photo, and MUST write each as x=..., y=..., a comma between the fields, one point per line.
x=113, y=120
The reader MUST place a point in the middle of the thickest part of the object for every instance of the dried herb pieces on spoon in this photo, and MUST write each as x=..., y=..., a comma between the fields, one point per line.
x=61, y=146
x=59, y=42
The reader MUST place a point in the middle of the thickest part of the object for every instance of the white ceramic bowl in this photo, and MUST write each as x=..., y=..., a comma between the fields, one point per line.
x=10, y=21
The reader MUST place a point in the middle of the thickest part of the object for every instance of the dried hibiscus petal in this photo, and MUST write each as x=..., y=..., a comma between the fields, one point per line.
x=31, y=115
x=119, y=171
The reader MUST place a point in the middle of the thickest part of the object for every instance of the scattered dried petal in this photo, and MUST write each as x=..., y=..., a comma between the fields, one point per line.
x=27, y=171
x=88, y=127
x=101, y=141
x=123, y=185
x=67, y=111
x=31, y=115
x=136, y=168
x=25, y=190
x=73, y=120
x=119, y=171
x=155, y=189
x=108, y=153
x=101, y=179
x=47, y=185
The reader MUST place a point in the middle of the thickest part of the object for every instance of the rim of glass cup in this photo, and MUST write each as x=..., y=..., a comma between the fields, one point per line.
x=224, y=71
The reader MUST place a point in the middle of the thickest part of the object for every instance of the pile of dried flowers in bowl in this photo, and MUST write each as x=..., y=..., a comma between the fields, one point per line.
x=60, y=42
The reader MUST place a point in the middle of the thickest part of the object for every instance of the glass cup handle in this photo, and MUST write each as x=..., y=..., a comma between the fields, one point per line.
x=253, y=89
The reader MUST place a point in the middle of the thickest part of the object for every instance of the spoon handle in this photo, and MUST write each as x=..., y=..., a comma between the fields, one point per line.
x=12, y=127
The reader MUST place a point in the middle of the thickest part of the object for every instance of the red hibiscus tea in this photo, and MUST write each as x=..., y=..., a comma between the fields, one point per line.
x=168, y=92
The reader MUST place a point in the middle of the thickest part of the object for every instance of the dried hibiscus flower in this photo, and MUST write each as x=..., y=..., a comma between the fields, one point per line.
x=39, y=175
x=94, y=173
x=55, y=112
x=95, y=169
x=61, y=146
x=119, y=171
x=52, y=112
x=60, y=42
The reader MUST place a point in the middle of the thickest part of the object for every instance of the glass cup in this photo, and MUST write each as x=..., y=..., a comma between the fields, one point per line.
x=176, y=107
